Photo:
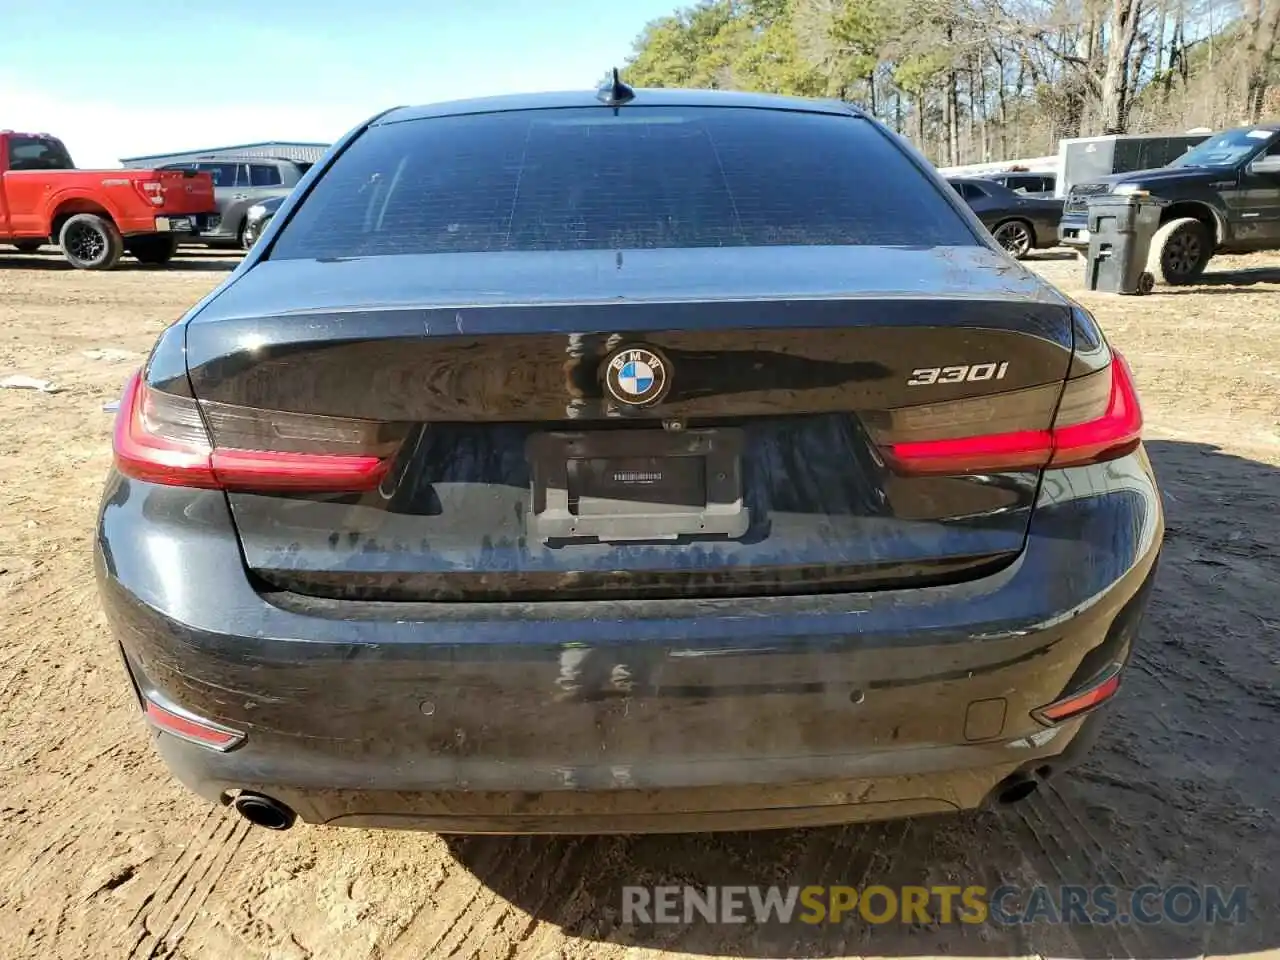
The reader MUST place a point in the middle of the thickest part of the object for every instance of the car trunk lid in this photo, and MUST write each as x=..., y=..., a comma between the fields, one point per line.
x=517, y=475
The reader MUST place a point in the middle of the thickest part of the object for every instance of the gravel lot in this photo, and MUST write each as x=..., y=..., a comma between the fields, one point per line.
x=101, y=855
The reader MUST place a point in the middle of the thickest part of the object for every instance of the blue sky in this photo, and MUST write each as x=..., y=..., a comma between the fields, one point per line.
x=120, y=80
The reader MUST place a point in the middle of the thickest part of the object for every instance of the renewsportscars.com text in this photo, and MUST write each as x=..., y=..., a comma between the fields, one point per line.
x=1005, y=905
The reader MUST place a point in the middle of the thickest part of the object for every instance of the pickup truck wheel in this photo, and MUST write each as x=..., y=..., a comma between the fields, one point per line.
x=154, y=249
x=91, y=242
x=28, y=246
x=1180, y=250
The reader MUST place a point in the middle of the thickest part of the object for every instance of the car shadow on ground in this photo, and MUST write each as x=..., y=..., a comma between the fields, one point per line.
x=1228, y=281
x=183, y=262
x=1051, y=255
x=1180, y=792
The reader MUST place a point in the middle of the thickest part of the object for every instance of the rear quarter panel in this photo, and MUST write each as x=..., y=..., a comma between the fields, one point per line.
x=1047, y=214
x=37, y=197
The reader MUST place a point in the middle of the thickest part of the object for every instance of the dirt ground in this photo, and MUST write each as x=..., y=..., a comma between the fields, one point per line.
x=102, y=855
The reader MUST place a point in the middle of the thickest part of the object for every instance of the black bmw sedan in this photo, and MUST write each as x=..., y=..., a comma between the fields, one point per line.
x=1018, y=222
x=620, y=462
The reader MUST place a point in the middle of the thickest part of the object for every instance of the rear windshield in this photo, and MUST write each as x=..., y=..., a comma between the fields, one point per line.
x=590, y=178
x=38, y=153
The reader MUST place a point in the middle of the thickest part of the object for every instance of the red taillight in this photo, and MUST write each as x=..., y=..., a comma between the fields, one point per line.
x=269, y=470
x=1100, y=690
x=1111, y=435
x=1098, y=419
x=161, y=438
x=193, y=729
x=152, y=190
x=999, y=451
x=161, y=441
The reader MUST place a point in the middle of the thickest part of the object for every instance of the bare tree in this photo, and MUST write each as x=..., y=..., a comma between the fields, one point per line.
x=987, y=79
x=1262, y=30
x=1115, y=81
x=1002, y=99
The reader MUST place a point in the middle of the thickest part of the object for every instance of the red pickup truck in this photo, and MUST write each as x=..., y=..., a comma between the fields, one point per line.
x=96, y=216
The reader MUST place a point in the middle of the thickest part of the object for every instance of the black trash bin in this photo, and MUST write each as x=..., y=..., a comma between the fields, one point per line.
x=1121, y=227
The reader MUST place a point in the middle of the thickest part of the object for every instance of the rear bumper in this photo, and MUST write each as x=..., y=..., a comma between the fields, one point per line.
x=179, y=224
x=743, y=794
x=164, y=222
x=215, y=229
x=1073, y=231
x=631, y=716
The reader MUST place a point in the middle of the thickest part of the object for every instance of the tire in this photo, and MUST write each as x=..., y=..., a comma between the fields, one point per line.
x=1017, y=237
x=29, y=246
x=248, y=236
x=1180, y=250
x=91, y=242
x=154, y=249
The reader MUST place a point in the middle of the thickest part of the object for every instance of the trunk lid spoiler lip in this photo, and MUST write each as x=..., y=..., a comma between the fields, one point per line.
x=278, y=288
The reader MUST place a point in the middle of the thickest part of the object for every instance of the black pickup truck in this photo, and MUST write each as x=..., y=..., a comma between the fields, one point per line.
x=1223, y=197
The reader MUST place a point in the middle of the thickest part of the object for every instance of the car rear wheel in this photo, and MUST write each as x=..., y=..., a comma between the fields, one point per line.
x=91, y=242
x=1015, y=236
x=1180, y=250
x=28, y=246
x=154, y=249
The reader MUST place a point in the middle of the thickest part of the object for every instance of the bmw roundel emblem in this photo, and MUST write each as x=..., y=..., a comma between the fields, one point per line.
x=637, y=376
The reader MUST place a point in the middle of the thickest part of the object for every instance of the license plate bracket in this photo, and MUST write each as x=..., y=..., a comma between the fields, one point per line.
x=628, y=485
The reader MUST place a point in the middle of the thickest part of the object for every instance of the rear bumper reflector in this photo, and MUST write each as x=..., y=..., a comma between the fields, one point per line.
x=1101, y=689
x=192, y=729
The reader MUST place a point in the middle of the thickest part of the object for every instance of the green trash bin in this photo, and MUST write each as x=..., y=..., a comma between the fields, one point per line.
x=1121, y=227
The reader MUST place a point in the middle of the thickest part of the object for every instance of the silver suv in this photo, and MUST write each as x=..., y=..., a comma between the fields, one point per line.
x=237, y=185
